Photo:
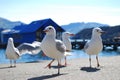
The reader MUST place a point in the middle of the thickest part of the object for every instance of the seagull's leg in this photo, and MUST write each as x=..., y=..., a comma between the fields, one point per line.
x=49, y=65
x=65, y=61
x=97, y=61
x=90, y=60
x=10, y=63
x=58, y=67
x=14, y=63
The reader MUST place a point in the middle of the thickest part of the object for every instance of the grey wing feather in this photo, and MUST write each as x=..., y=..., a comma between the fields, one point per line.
x=86, y=46
x=29, y=48
x=60, y=46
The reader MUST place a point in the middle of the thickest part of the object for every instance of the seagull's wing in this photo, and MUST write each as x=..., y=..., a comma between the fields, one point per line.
x=86, y=46
x=60, y=46
x=17, y=52
x=33, y=48
x=36, y=43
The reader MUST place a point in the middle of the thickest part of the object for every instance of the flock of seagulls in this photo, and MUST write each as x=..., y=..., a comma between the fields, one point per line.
x=54, y=48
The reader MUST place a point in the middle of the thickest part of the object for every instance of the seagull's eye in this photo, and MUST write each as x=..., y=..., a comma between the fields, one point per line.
x=97, y=30
x=50, y=28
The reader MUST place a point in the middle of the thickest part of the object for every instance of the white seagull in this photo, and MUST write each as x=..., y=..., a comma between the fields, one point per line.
x=67, y=42
x=14, y=53
x=52, y=47
x=95, y=45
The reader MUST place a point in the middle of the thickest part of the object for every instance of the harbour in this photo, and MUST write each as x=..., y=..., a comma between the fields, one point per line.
x=79, y=44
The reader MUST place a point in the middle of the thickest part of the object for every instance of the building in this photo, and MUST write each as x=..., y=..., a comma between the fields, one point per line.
x=31, y=32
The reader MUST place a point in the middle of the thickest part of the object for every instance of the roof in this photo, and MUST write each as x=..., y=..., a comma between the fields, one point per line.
x=35, y=25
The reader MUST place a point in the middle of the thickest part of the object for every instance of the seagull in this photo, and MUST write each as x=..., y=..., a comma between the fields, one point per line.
x=12, y=53
x=67, y=42
x=52, y=47
x=94, y=46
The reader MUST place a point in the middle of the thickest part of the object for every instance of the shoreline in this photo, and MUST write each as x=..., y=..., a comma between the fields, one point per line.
x=77, y=69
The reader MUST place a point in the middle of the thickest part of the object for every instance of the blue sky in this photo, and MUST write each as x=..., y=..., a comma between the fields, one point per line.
x=62, y=11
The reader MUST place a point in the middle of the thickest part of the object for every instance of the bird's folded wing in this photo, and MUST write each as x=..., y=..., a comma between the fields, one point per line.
x=86, y=46
x=17, y=52
x=33, y=48
x=60, y=46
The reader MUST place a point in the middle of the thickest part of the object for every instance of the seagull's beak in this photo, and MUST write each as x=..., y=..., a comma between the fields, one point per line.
x=45, y=30
x=102, y=32
x=72, y=34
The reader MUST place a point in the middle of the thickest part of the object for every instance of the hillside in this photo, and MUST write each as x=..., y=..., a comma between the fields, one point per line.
x=76, y=27
x=4, y=23
x=72, y=27
x=110, y=33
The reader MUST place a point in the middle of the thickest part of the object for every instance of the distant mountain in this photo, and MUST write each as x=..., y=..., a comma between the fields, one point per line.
x=110, y=33
x=6, y=24
x=76, y=27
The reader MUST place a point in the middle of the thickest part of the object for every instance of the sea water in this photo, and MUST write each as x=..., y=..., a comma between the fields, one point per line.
x=39, y=56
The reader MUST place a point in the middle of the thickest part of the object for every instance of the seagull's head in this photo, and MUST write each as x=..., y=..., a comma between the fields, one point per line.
x=10, y=41
x=98, y=31
x=49, y=30
x=67, y=34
